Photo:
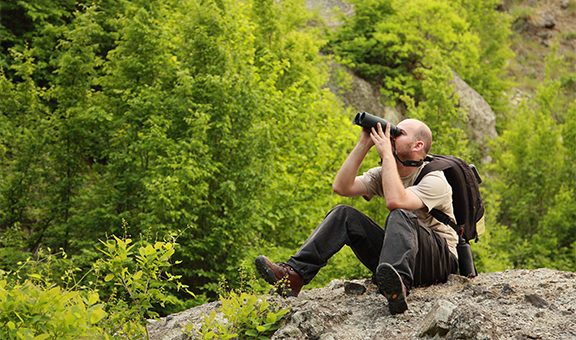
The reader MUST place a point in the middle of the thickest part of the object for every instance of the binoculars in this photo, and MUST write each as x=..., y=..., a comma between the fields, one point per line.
x=368, y=121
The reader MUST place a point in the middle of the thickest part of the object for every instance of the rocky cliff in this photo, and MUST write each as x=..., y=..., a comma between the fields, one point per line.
x=515, y=304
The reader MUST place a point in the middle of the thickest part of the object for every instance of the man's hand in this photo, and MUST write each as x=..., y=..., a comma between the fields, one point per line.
x=382, y=140
x=366, y=139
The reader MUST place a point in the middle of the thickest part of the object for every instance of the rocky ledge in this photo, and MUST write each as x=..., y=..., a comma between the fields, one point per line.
x=515, y=304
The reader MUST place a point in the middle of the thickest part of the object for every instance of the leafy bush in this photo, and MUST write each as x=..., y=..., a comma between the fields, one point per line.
x=388, y=42
x=30, y=311
x=532, y=186
x=243, y=316
x=136, y=281
x=128, y=284
x=189, y=115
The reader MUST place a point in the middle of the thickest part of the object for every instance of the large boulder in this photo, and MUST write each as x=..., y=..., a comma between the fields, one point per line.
x=481, y=117
x=515, y=304
x=359, y=94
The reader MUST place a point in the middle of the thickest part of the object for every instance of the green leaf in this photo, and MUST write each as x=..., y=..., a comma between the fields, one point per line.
x=137, y=275
x=93, y=298
x=251, y=332
x=97, y=315
x=35, y=276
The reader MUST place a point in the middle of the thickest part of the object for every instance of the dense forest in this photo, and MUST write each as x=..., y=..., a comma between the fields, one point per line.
x=149, y=150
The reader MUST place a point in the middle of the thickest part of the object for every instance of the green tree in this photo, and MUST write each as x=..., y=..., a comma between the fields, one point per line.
x=207, y=117
x=534, y=174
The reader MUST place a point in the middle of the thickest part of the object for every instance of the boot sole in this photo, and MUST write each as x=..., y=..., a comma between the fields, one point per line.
x=264, y=271
x=267, y=274
x=390, y=285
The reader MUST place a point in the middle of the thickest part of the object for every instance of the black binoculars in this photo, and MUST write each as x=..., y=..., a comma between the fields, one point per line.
x=368, y=121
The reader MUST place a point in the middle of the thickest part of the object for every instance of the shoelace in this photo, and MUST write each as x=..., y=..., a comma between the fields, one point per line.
x=286, y=266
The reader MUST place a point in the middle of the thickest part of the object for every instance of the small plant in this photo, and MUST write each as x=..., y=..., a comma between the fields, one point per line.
x=33, y=311
x=241, y=316
x=136, y=280
x=569, y=36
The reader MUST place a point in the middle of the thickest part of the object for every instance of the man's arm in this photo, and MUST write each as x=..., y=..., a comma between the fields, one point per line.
x=346, y=182
x=396, y=196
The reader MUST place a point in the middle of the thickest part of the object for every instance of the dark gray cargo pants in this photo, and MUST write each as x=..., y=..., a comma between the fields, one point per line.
x=419, y=255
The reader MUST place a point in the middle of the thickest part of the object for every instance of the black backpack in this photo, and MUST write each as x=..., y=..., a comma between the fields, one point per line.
x=464, y=180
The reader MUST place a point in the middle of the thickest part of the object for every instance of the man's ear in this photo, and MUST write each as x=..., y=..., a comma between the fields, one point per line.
x=419, y=146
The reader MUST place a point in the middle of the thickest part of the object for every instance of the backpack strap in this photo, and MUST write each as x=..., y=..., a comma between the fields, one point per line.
x=442, y=217
x=436, y=164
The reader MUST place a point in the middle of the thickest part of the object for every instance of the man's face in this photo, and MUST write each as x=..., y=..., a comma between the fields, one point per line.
x=405, y=142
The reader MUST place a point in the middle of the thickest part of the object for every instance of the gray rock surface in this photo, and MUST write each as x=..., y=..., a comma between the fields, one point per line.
x=481, y=117
x=437, y=321
x=331, y=11
x=515, y=304
x=359, y=94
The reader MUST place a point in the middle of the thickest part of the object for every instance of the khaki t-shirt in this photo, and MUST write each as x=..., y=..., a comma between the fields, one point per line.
x=433, y=190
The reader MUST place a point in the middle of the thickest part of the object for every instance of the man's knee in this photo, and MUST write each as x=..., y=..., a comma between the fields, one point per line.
x=401, y=213
x=343, y=210
x=346, y=218
x=402, y=218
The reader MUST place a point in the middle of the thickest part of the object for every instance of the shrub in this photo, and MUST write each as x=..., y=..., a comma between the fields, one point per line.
x=244, y=316
x=29, y=311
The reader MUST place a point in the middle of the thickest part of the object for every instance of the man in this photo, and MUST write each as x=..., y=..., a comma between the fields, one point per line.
x=413, y=250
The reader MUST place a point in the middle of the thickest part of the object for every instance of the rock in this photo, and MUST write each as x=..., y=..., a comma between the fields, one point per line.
x=545, y=20
x=354, y=288
x=481, y=117
x=288, y=332
x=536, y=300
x=329, y=10
x=359, y=94
x=514, y=304
x=470, y=322
x=171, y=327
x=310, y=323
x=437, y=321
x=335, y=284
x=506, y=289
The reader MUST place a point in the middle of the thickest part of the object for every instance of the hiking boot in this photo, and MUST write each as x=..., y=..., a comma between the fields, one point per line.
x=288, y=281
x=391, y=286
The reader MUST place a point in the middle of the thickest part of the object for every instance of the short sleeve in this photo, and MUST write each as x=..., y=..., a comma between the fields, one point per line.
x=433, y=190
x=372, y=180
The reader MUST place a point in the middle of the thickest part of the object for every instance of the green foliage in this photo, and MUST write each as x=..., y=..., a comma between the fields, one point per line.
x=136, y=279
x=492, y=28
x=131, y=282
x=440, y=111
x=492, y=252
x=49, y=312
x=211, y=120
x=533, y=185
x=411, y=49
x=243, y=316
x=389, y=41
x=203, y=116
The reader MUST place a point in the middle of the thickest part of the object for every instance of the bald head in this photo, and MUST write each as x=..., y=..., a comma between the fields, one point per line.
x=419, y=130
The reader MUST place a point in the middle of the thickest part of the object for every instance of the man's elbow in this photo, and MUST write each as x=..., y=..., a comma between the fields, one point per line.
x=403, y=203
x=338, y=189
x=393, y=204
